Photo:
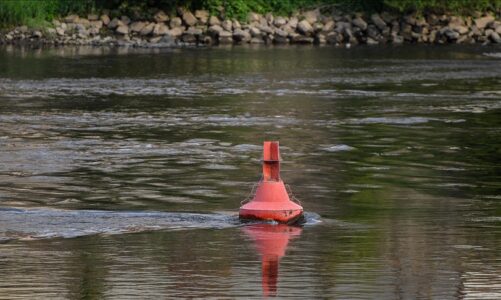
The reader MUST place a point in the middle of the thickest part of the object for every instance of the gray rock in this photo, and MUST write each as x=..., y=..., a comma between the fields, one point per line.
x=372, y=32
x=371, y=41
x=194, y=31
x=202, y=16
x=253, y=17
x=160, y=16
x=304, y=27
x=125, y=20
x=312, y=16
x=189, y=18
x=176, y=31
x=397, y=39
x=160, y=29
x=256, y=40
x=481, y=23
x=460, y=29
x=37, y=34
x=56, y=23
x=280, y=39
x=360, y=23
x=213, y=20
x=71, y=19
x=225, y=37
x=114, y=23
x=328, y=26
x=92, y=17
x=122, y=29
x=189, y=38
x=317, y=27
x=215, y=30
x=236, y=24
x=105, y=19
x=451, y=34
x=320, y=39
x=255, y=32
x=269, y=18
x=300, y=39
x=378, y=21
x=494, y=36
x=227, y=25
x=137, y=26
x=98, y=24
x=498, y=29
x=60, y=31
x=281, y=33
x=241, y=35
x=293, y=21
x=175, y=22
x=147, y=29
x=280, y=21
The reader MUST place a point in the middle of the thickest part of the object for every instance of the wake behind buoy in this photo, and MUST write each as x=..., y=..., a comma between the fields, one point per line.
x=271, y=200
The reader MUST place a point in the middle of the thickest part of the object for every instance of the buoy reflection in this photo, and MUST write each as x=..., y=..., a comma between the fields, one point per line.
x=271, y=242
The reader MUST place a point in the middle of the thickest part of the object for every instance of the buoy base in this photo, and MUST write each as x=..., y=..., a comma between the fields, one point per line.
x=281, y=216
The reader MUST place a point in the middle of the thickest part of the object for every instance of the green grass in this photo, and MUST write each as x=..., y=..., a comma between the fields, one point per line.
x=36, y=12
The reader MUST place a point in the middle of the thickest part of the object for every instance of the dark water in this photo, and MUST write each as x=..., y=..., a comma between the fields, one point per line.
x=121, y=172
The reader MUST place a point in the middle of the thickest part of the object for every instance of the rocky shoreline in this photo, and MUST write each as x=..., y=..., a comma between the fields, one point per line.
x=187, y=28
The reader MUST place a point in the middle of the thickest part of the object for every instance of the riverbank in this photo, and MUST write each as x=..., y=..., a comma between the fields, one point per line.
x=185, y=28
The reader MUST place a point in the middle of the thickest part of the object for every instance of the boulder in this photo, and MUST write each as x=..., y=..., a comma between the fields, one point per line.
x=37, y=34
x=98, y=24
x=494, y=36
x=460, y=29
x=60, y=31
x=451, y=34
x=359, y=22
x=481, y=23
x=114, y=23
x=137, y=26
x=202, y=16
x=175, y=22
x=255, y=32
x=147, y=29
x=378, y=21
x=71, y=19
x=280, y=21
x=241, y=35
x=293, y=21
x=281, y=33
x=253, y=17
x=215, y=30
x=105, y=19
x=176, y=31
x=125, y=20
x=312, y=16
x=189, y=19
x=92, y=17
x=304, y=27
x=213, y=20
x=160, y=16
x=122, y=29
x=160, y=29
x=225, y=37
x=194, y=31
x=236, y=24
x=328, y=26
x=227, y=25
x=256, y=40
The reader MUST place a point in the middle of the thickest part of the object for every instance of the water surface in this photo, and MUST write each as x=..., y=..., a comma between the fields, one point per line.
x=121, y=172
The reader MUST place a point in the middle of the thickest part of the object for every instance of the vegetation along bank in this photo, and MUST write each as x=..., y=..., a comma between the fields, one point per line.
x=160, y=23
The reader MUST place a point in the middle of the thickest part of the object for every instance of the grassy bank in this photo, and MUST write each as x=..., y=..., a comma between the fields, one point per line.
x=36, y=12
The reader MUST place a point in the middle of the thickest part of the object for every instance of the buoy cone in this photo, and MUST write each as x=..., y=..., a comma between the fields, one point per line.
x=271, y=200
x=271, y=242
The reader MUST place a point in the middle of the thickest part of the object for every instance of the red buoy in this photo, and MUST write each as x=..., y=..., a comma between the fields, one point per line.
x=271, y=201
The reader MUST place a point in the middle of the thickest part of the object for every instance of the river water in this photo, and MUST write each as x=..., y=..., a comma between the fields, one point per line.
x=121, y=172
